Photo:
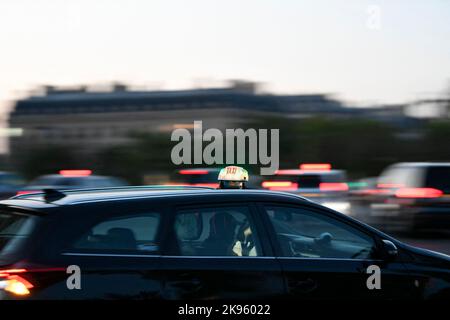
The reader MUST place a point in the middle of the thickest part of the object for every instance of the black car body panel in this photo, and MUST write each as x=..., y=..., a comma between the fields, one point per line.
x=161, y=272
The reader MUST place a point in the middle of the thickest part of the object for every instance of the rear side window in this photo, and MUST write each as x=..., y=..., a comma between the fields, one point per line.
x=132, y=233
x=439, y=178
x=14, y=229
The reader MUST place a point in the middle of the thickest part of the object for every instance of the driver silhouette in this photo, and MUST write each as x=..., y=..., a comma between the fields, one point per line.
x=222, y=235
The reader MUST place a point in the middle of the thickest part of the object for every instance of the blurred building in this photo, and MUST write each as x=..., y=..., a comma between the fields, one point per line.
x=92, y=120
x=430, y=109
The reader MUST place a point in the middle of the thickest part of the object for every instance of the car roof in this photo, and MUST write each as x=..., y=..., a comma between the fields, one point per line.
x=74, y=197
x=421, y=164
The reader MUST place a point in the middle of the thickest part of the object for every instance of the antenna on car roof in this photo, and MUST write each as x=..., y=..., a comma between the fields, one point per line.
x=53, y=195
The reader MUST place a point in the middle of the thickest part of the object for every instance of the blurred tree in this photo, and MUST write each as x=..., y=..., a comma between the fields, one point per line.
x=46, y=159
x=361, y=146
x=437, y=141
x=149, y=153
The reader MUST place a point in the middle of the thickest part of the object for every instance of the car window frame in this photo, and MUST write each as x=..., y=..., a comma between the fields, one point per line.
x=170, y=246
x=140, y=209
x=321, y=211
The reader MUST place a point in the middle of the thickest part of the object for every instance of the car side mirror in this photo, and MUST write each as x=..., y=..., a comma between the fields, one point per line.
x=390, y=249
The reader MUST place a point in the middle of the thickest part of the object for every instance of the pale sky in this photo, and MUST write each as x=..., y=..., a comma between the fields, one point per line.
x=364, y=51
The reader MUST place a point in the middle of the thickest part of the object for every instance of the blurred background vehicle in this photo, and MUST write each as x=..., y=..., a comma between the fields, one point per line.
x=410, y=197
x=71, y=179
x=10, y=184
x=198, y=177
x=362, y=193
x=206, y=177
x=317, y=181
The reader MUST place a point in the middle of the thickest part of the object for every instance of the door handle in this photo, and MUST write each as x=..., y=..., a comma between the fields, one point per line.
x=191, y=284
x=181, y=289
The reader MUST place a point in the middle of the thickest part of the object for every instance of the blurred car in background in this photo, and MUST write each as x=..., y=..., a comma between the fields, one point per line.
x=362, y=193
x=201, y=177
x=207, y=177
x=317, y=181
x=412, y=197
x=10, y=183
x=71, y=179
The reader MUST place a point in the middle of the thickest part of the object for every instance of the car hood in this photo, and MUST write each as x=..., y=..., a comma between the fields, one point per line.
x=429, y=256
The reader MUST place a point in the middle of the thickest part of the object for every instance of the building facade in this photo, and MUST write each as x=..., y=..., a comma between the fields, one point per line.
x=90, y=121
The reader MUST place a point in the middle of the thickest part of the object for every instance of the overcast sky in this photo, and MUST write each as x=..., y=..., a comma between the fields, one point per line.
x=363, y=51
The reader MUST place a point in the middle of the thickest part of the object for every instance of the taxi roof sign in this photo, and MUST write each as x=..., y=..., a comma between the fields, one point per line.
x=233, y=173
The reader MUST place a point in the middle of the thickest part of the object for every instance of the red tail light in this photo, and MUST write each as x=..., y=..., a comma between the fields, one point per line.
x=16, y=281
x=12, y=282
x=208, y=185
x=193, y=171
x=315, y=167
x=75, y=173
x=289, y=172
x=418, y=193
x=280, y=185
x=25, y=192
x=333, y=186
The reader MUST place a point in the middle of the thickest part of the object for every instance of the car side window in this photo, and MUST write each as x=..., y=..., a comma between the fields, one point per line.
x=125, y=233
x=309, y=234
x=221, y=231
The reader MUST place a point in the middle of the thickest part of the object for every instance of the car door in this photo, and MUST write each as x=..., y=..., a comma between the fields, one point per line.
x=219, y=251
x=324, y=256
x=116, y=252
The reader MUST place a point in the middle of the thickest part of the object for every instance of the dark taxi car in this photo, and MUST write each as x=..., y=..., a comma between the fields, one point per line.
x=199, y=243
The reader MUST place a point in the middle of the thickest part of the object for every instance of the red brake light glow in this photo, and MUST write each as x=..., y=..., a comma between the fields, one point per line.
x=75, y=173
x=193, y=171
x=333, y=186
x=288, y=172
x=13, y=283
x=315, y=167
x=280, y=185
x=25, y=192
x=208, y=185
x=6, y=273
x=418, y=193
